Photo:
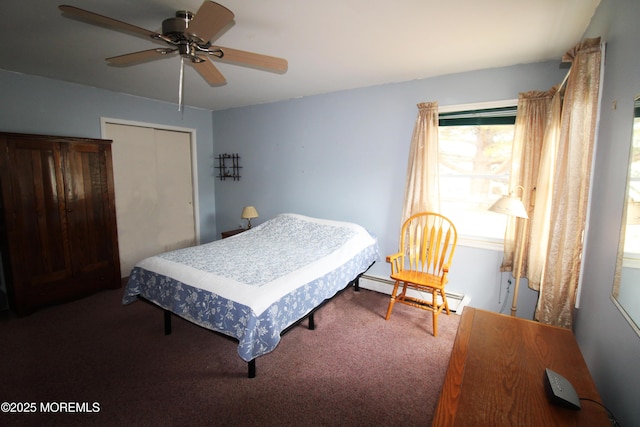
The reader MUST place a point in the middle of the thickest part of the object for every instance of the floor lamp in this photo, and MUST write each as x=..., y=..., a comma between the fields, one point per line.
x=512, y=206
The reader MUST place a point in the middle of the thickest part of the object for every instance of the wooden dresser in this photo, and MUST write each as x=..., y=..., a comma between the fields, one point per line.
x=58, y=234
x=496, y=375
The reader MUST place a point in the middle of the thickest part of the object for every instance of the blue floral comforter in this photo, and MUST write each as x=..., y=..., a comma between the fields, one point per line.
x=255, y=284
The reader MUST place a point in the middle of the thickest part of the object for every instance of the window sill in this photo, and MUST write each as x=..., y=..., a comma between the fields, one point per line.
x=481, y=243
x=631, y=261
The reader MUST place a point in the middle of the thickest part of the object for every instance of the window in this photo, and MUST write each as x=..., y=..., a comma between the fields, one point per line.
x=475, y=160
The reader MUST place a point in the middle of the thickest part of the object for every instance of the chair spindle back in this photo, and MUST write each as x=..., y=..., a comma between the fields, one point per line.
x=428, y=241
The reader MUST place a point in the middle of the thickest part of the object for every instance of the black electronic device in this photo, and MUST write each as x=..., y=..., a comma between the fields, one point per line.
x=560, y=390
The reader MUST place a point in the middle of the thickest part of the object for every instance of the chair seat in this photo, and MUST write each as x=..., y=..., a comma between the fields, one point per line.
x=418, y=278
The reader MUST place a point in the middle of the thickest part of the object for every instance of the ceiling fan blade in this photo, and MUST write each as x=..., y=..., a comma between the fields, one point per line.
x=105, y=21
x=139, y=57
x=209, y=72
x=209, y=20
x=252, y=60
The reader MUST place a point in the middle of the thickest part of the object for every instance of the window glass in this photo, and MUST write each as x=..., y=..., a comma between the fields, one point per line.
x=474, y=162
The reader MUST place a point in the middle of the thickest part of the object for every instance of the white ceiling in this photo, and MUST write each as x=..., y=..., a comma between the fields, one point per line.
x=331, y=45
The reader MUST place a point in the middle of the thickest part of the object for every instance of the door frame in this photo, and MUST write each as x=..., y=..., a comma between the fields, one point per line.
x=104, y=121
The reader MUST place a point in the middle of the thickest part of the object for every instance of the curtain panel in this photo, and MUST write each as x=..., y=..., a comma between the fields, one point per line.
x=422, y=192
x=539, y=226
x=571, y=186
x=531, y=122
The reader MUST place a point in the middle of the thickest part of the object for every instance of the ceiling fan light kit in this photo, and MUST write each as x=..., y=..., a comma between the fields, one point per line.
x=190, y=35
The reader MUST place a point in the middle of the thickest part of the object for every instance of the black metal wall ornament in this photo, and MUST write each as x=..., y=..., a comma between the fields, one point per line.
x=228, y=167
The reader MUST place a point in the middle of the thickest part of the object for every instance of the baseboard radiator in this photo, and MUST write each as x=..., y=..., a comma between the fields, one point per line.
x=456, y=301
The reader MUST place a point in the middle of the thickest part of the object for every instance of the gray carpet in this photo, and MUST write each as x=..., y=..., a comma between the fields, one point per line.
x=354, y=369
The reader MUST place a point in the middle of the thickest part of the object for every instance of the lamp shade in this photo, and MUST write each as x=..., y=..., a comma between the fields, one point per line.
x=509, y=205
x=249, y=212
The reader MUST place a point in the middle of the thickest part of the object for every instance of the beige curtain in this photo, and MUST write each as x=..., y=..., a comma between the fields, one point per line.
x=571, y=180
x=528, y=139
x=540, y=220
x=421, y=190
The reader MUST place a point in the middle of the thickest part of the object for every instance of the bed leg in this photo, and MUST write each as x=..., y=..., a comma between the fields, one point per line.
x=252, y=368
x=312, y=323
x=167, y=322
x=356, y=284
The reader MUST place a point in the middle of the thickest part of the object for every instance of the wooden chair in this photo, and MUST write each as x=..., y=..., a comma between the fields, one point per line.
x=427, y=243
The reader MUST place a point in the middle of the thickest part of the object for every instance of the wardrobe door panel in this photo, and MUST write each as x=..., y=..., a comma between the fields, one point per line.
x=38, y=210
x=89, y=211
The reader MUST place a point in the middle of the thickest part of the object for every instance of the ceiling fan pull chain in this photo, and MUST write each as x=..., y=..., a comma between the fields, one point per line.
x=180, y=84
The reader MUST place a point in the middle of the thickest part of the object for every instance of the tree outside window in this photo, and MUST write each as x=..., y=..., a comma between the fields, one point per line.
x=474, y=161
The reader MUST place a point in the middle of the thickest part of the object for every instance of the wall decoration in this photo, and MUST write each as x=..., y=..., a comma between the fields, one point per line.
x=228, y=167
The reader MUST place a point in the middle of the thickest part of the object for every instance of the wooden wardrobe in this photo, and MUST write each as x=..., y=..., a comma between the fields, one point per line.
x=58, y=234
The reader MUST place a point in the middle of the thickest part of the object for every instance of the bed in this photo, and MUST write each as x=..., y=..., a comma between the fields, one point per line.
x=255, y=285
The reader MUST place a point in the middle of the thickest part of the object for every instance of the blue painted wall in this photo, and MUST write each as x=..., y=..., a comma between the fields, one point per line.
x=44, y=106
x=344, y=156
x=609, y=344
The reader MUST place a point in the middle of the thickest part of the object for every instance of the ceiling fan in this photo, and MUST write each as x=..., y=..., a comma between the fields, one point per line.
x=189, y=35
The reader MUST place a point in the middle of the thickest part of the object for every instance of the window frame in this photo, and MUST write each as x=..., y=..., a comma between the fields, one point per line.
x=467, y=241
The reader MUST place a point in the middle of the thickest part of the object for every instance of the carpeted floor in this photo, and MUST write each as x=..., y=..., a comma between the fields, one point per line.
x=354, y=369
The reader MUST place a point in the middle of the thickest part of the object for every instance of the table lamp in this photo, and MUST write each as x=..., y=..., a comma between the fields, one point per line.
x=249, y=212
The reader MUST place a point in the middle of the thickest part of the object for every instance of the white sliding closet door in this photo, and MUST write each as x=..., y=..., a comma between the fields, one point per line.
x=154, y=191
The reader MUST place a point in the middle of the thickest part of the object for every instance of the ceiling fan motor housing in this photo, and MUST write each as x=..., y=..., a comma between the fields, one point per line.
x=175, y=28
